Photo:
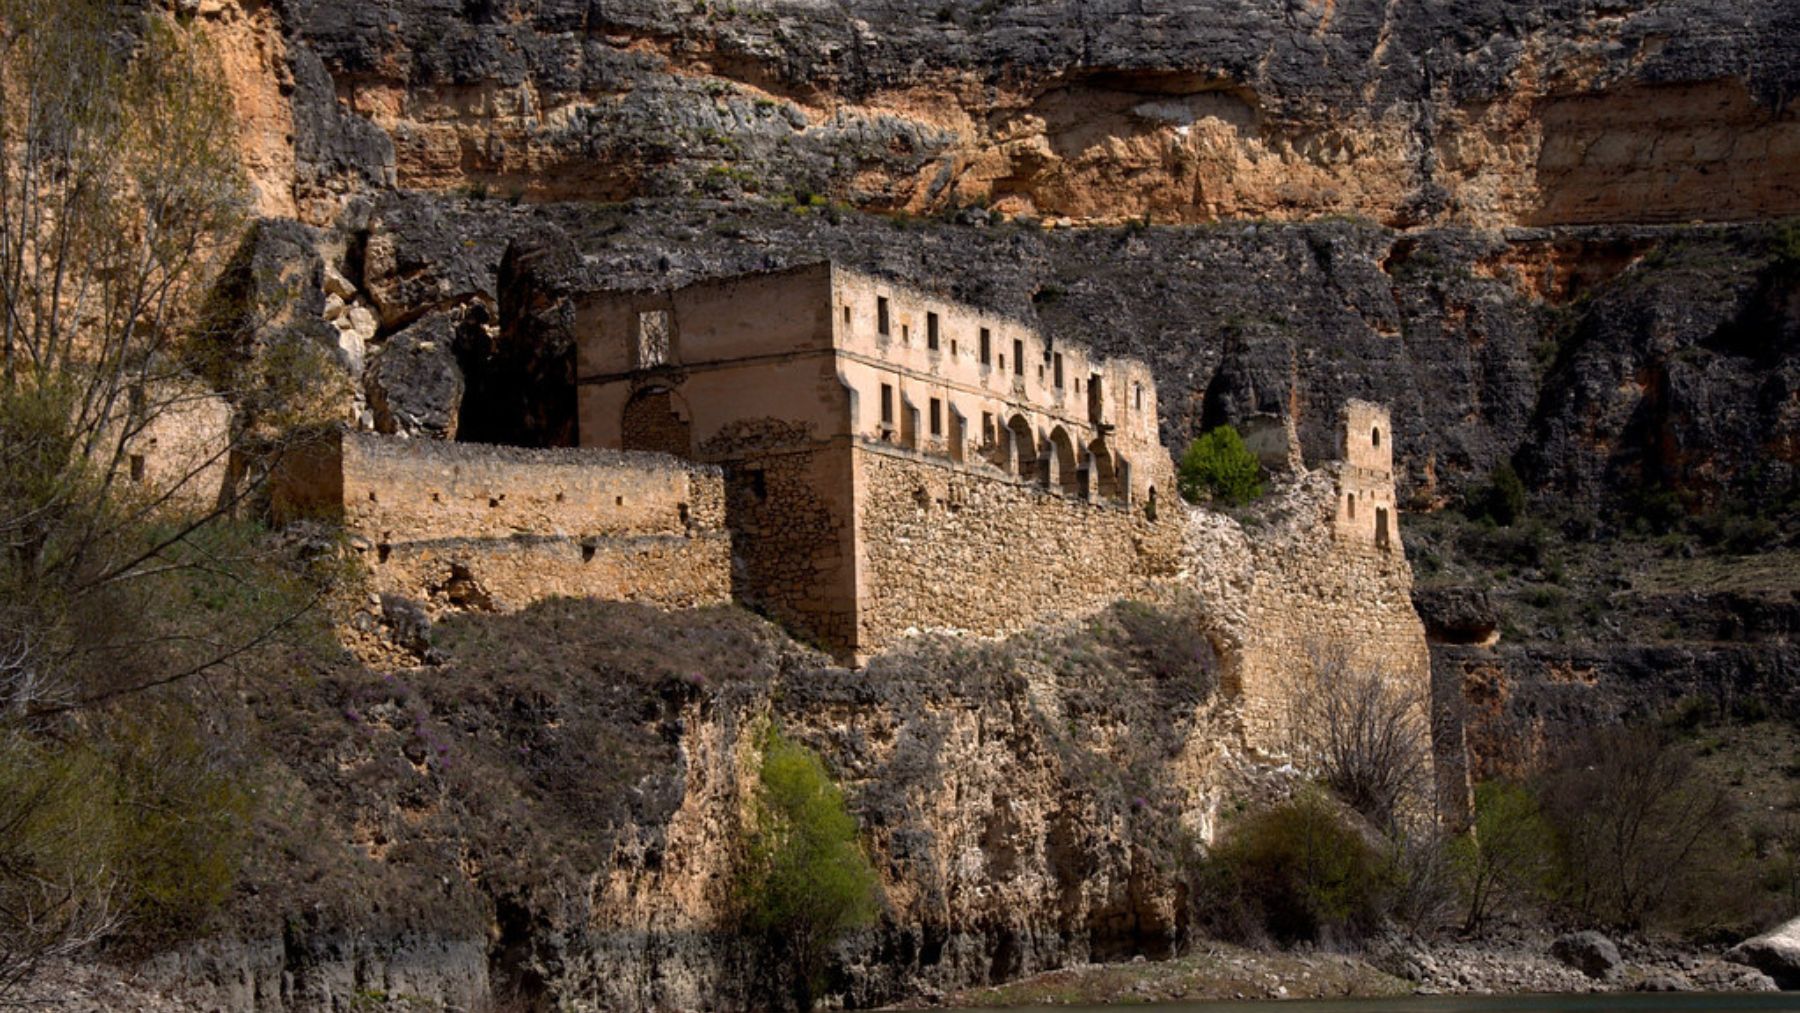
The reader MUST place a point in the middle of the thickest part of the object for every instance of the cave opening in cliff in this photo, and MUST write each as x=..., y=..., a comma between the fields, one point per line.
x=515, y=392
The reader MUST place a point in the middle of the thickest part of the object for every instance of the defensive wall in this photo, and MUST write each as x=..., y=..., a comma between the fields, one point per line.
x=502, y=527
x=181, y=451
x=945, y=547
x=1326, y=583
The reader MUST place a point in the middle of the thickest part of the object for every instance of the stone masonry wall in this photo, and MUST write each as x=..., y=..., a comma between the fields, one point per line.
x=1292, y=587
x=942, y=547
x=502, y=527
x=788, y=505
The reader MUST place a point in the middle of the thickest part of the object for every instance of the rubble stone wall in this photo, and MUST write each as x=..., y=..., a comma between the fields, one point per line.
x=510, y=526
x=1292, y=590
x=941, y=546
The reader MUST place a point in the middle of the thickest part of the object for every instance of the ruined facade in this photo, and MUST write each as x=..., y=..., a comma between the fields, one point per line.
x=501, y=527
x=892, y=459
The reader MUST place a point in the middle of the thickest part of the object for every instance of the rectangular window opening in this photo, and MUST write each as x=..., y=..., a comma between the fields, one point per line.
x=931, y=331
x=881, y=315
x=1018, y=357
x=653, y=338
x=887, y=403
x=987, y=347
x=846, y=314
x=1058, y=371
x=937, y=417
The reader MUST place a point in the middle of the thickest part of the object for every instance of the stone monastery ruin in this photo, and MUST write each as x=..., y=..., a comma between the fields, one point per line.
x=858, y=460
x=892, y=460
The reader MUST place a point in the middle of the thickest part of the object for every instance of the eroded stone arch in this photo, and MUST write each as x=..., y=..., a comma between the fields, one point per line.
x=1105, y=472
x=1024, y=452
x=657, y=419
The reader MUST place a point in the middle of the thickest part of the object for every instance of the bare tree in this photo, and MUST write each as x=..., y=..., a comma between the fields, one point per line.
x=120, y=198
x=1636, y=822
x=1363, y=732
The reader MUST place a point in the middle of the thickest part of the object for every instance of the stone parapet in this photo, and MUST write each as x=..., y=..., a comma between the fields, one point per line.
x=502, y=526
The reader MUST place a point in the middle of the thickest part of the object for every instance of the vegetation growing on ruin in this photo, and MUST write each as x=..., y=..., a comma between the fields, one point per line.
x=1218, y=467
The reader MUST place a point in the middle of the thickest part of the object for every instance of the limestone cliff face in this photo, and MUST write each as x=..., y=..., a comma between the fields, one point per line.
x=1552, y=112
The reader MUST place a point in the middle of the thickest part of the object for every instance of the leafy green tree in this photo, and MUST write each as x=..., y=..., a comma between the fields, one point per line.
x=1510, y=857
x=806, y=880
x=1218, y=466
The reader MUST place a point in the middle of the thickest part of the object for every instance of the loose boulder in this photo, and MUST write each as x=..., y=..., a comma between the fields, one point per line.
x=413, y=385
x=1457, y=615
x=1588, y=952
x=1775, y=953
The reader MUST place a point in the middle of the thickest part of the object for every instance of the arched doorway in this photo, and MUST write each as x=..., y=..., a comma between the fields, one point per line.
x=1065, y=476
x=1105, y=472
x=656, y=419
x=1024, y=449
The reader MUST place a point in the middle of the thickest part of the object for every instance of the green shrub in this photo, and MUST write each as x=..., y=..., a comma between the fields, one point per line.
x=1218, y=466
x=806, y=880
x=131, y=830
x=1298, y=872
x=1501, y=501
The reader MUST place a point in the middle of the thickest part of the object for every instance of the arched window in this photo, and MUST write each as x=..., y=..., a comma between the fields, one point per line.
x=1067, y=476
x=1375, y=437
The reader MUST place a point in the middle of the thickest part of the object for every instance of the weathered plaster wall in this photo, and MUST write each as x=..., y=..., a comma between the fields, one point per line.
x=503, y=527
x=943, y=547
x=1090, y=421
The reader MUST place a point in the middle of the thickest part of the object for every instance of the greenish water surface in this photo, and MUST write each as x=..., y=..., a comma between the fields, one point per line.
x=1635, y=1002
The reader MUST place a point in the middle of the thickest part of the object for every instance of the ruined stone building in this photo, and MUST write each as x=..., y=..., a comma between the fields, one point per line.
x=858, y=459
x=892, y=459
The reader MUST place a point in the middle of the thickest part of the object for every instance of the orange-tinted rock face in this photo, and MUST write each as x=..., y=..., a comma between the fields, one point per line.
x=252, y=55
x=1398, y=113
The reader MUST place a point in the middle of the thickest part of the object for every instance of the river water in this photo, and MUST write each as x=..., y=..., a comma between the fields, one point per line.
x=1635, y=1002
